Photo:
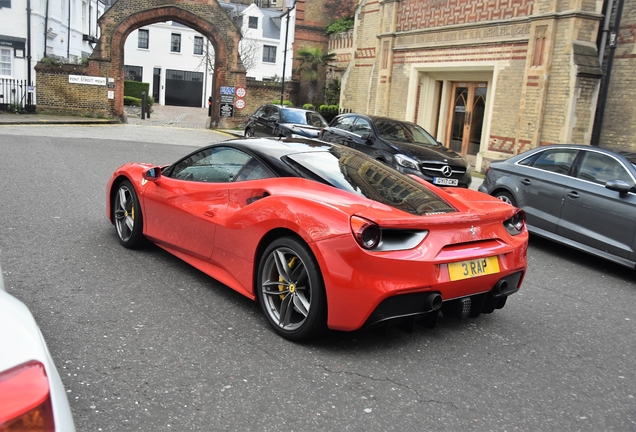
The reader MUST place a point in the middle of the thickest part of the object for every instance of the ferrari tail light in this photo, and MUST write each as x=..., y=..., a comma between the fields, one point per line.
x=516, y=224
x=366, y=232
x=25, y=399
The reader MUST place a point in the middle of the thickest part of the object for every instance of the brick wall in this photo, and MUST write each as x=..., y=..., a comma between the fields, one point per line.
x=259, y=93
x=55, y=95
x=359, y=84
x=418, y=14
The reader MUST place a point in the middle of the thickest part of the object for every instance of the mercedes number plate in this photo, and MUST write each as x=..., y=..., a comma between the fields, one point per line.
x=473, y=268
x=442, y=181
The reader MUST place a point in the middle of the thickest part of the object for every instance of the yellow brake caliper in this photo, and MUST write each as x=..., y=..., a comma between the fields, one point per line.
x=290, y=264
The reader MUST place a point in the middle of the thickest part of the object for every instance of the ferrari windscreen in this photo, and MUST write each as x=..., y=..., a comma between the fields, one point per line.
x=354, y=172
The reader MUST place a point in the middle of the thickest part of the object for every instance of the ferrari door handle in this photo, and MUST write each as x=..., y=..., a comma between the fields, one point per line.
x=209, y=213
x=526, y=182
x=573, y=194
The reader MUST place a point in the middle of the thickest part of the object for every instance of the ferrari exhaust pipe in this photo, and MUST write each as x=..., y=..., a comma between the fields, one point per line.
x=433, y=302
x=500, y=287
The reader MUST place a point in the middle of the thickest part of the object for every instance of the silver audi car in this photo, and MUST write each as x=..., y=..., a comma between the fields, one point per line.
x=580, y=196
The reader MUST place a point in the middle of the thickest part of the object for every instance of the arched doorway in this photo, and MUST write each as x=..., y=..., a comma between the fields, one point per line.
x=205, y=16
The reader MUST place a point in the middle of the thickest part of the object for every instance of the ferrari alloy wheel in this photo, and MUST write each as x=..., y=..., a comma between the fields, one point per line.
x=506, y=197
x=127, y=216
x=291, y=290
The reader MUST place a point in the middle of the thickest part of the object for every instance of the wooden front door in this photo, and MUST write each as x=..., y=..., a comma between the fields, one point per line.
x=466, y=116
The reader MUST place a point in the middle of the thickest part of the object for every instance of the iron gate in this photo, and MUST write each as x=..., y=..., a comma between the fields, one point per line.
x=17, y=96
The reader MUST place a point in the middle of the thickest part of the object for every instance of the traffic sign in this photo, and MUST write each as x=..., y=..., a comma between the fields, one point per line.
x=239, y=104
x=227, y=90
x=241, y=92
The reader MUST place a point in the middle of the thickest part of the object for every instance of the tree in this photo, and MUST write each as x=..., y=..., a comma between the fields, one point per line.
x=207, y=61
x=250, y=52
x=311, y=66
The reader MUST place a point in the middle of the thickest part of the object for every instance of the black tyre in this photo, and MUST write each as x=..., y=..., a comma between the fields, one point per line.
x=505, y=197
x=291, y=290
x=127, y=216
x=249, y=133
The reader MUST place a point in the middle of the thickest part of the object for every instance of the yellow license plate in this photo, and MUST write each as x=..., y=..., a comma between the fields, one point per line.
x=473, y=268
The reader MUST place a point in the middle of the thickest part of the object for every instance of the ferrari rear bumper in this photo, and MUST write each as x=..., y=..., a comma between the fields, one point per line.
x=425, y=306
x=368, y=289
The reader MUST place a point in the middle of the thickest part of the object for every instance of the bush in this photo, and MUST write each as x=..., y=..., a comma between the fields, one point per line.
x=329, y=111
x=309, y=106
x=340, y=25
x=132, y=101
x=135, y=89
x=285, y=102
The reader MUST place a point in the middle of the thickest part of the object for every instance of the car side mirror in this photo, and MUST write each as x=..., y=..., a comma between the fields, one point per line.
x=153, y=174
x=620, y=186
x=366, y=136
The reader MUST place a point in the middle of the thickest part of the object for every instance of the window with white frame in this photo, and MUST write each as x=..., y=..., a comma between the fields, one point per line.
x=90, y=15
x=84, y=21
x=269, y=54
x=142, y=38
x=5, y=61
x=198, y=45
x=252, y=22
x=175, y=42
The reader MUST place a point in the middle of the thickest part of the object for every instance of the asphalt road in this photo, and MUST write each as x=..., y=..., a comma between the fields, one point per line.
x=145, y=342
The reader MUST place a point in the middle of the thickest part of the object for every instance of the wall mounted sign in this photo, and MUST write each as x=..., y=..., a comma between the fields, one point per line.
x=83, y=79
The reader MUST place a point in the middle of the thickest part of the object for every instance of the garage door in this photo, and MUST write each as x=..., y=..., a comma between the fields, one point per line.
x=184, y=88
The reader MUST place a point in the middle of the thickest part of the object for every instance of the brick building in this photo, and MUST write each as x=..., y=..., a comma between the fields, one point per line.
x=488, y=78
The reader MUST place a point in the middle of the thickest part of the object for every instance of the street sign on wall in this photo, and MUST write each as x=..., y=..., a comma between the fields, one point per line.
x=226, y=110
x=227, y=90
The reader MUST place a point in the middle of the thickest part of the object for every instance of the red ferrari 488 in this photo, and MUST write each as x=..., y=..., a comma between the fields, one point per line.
x=324, y=236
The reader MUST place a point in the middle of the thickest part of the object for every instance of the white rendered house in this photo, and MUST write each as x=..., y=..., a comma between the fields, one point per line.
x=32, y=29
x=177, y=61
x=174, y=59
x=263, y=44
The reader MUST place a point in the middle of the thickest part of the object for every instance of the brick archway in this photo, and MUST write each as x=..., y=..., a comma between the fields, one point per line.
x=205, y=16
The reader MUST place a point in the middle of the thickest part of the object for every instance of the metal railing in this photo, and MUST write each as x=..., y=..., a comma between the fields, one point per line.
x=17, y=96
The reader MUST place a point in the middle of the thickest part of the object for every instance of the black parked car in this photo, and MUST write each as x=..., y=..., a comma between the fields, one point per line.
x=282, y=121
x=402, y=145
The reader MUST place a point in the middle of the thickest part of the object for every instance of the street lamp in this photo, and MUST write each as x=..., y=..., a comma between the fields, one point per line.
x=290, y=5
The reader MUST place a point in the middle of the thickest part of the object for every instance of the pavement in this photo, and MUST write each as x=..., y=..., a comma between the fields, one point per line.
x=163, y=116
x=164, y=120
